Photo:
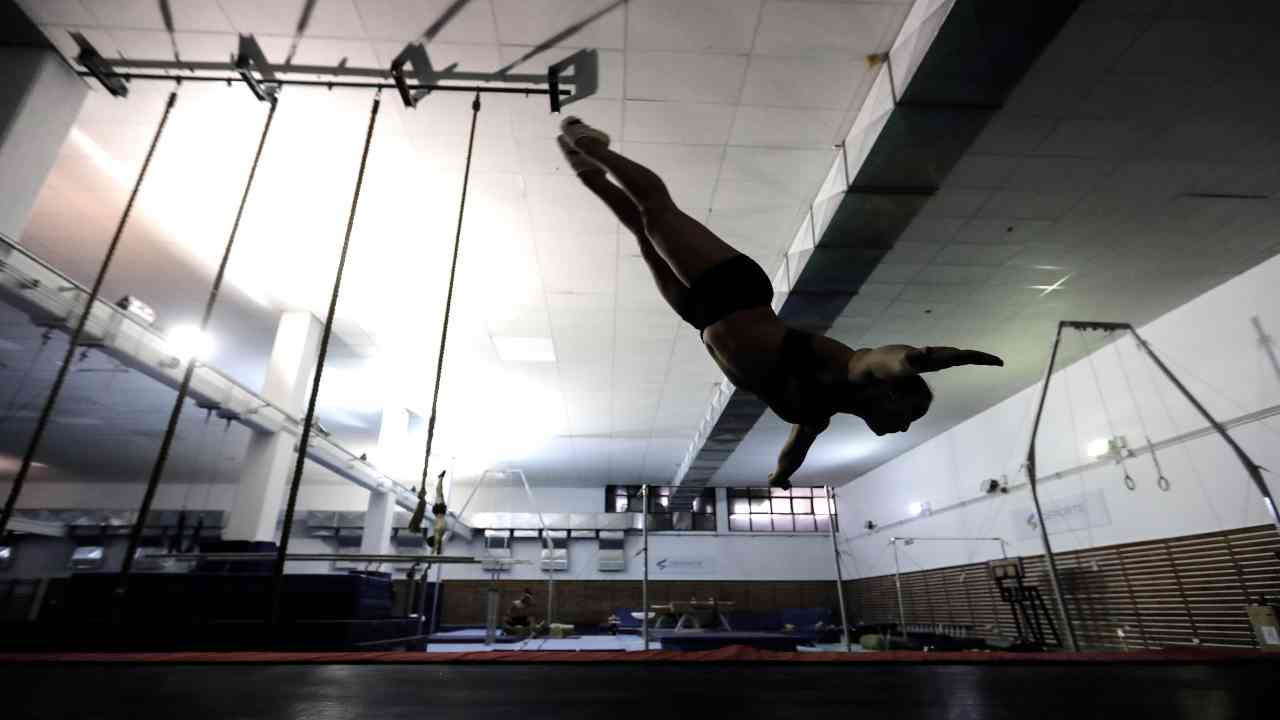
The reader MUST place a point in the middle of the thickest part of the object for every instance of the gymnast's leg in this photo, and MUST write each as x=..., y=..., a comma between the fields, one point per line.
x=593, y=176
x=686, y=244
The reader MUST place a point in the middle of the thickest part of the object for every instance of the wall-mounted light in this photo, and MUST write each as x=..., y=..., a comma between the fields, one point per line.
x=918, y=508
x=188, y=342
x=1106, y=447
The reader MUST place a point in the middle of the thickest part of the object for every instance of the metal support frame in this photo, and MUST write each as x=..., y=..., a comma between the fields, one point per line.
x=897, y=582
x=644, y=550
x=835, y=549
x=551, y=583
x=1061, y=604
x=897, y=569
x=1252, y=468
x=264, y=78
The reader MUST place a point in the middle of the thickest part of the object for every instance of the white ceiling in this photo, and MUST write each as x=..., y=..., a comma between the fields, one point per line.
x=736, y=102
x=1096, y=171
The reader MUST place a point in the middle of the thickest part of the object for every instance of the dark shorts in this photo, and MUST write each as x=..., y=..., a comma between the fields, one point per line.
x=735, y=284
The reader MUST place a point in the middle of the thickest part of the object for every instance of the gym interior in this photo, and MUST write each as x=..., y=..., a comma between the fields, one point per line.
x=326, y=389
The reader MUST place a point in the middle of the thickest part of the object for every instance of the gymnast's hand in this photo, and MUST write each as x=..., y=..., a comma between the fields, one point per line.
x=896, y=361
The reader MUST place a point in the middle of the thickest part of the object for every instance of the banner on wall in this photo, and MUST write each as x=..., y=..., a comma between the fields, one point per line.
x=1066, y=514
x=683, y=566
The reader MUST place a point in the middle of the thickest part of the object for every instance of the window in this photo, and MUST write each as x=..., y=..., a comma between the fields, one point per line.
x=629, y=498
x=801, y=510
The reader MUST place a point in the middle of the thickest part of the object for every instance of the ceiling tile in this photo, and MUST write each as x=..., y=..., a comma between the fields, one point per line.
x=568, y=23
x=953, y=203
x=146, y=15
x=969, y=254
x=743, y=195
x=938, y=274
x=700, y=26
x=786, y=127
x=978, y=170
x=819, y=28
x=331, y=51
x=469, y=57
x=259, y=18
x=58, y=12
x=684, y=77
x=685, y=123
x=206, y=47
x=610, y=70
x=790, y=171
x=1020, y=204
x=407, y=20
x=799, y=82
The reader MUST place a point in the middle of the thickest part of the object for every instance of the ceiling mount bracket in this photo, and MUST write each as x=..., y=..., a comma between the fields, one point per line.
x=98, y=67
x=248, y=60
x=415, y=56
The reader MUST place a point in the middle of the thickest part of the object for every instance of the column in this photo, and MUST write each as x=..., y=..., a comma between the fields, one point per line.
x=268, y=462
x=40, y=98
x=389, y=457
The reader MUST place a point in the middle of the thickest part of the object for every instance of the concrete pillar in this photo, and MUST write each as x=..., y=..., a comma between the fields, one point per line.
x=722, y=510
x=268, y=462
x=389, y=457
x=378, y=517
x=40, y=98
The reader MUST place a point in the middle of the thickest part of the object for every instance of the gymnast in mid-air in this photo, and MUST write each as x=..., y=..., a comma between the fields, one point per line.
x=803, y=377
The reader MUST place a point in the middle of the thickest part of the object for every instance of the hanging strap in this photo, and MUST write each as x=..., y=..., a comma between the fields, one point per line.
x=33, y=444
x=304, y=438
x=184, y=388
x=448, y=306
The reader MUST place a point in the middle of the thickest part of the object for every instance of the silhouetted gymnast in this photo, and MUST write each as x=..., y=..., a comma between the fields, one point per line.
x=804, y=378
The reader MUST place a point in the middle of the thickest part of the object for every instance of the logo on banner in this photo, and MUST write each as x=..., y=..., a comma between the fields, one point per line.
x=1071, y=513
x=685, y=566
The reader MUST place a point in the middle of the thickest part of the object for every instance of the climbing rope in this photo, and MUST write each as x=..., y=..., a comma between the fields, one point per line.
x=309, y=419
x=46, y=413
x=420, y=512
x=184, y=387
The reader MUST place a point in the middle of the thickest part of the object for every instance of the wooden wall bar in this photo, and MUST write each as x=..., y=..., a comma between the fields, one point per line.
x=1175, y=591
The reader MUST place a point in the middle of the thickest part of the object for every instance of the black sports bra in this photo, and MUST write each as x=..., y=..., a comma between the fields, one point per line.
x=797, y=361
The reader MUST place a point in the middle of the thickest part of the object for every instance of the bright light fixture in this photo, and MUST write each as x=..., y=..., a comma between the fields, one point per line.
x=1097, y=448
x=525, y=349
x=917, y=507
x=187, y=342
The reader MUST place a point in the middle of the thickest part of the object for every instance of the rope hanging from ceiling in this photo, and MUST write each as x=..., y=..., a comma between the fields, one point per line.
x=184, y=387
x=46, y=412
x=304, y=437
x=415, y=523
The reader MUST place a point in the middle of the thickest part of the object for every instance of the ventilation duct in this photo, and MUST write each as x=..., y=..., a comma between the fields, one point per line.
x=556, y=557
x=612, y=556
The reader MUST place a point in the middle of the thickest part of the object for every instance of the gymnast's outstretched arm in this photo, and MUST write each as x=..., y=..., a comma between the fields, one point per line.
x=793, y=452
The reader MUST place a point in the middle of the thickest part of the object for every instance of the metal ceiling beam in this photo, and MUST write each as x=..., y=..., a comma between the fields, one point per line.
x=980, y=52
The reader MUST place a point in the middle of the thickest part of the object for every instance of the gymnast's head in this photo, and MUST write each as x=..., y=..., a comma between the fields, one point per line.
x=887, y=406
x=884, y=386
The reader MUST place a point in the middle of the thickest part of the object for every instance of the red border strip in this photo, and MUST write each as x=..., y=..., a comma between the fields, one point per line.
x=733, y=654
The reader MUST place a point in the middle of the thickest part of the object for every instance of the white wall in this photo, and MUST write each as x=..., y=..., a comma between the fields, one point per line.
x=1214, y=349
x=39, y=99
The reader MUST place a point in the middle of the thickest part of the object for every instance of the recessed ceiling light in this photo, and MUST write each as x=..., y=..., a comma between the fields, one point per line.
x=525, y=349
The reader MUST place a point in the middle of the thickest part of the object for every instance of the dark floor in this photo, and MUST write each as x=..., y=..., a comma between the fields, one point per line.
x=517, y=691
